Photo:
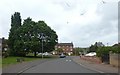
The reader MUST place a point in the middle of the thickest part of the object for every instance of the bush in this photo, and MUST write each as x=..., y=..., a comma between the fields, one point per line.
x=103, y=51
x=5, y=54
x=116, y=49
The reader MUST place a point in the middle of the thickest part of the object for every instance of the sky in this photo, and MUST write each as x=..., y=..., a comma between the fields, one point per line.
x=82, y=22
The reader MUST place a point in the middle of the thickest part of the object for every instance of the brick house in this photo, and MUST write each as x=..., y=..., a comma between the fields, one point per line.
x=66, y=47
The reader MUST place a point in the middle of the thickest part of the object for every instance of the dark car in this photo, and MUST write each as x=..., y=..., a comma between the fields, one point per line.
x=62, y=55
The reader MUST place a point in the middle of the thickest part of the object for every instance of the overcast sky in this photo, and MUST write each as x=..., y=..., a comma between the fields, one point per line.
x=82, y=22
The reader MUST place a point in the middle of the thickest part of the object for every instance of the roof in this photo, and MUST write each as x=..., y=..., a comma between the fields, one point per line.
x=116, y=45
x=64, y=44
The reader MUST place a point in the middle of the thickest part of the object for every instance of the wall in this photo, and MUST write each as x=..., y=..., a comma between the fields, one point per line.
x=115, y=59
x=92, y=59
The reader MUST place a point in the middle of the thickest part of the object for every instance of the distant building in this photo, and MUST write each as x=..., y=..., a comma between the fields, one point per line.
x=4, y=44
x=66, y=47
x=116, y=45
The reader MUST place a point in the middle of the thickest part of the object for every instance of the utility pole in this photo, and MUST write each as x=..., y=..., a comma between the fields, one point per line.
x=42, y=44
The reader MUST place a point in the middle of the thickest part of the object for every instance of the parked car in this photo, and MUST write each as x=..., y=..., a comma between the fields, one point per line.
x=62, y=55
x=47, y=54
x=44, y=54
x=39, y=54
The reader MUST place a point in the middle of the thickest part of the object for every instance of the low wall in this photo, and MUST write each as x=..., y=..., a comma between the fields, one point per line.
x=115, y=60
x=92, y=59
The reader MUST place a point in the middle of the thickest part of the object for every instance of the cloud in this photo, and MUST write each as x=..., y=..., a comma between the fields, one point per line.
x=98, y=22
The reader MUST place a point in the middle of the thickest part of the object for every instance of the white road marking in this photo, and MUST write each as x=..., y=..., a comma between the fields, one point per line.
x=68, y=60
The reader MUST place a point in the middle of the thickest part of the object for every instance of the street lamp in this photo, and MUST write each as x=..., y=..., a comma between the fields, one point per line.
x=43, y=37
x=42, y=44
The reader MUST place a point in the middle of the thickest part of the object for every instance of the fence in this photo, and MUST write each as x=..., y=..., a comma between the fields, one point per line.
x=115, y=59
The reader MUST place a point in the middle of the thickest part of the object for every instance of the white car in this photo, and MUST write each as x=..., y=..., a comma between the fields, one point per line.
x=46, y=54
x=91, y=54
x=39, y=54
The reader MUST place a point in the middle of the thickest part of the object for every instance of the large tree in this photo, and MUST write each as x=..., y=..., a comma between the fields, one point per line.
x=15, y=24
x=93, y=48
x=32, y=35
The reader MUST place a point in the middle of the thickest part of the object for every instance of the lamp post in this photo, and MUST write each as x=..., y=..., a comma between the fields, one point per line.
x=42, y=44
x=43, y=38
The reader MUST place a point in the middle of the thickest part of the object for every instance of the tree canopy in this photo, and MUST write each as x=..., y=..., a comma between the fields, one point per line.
x=30, y=36
x=15, y=24
x=94, y=48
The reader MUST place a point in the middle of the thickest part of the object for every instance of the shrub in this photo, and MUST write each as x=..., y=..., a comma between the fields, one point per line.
x=116, y=49
x=103, y=51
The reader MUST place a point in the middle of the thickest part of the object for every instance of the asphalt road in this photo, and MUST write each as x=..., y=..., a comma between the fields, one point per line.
x=61, y=65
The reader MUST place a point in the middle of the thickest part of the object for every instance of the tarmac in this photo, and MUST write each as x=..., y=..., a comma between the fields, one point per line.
x=101, y=68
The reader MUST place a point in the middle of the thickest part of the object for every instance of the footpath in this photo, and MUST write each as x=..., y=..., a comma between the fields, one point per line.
x=99, y=67
x=21, y=67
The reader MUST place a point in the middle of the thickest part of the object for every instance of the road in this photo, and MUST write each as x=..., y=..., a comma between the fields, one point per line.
x=61, y=65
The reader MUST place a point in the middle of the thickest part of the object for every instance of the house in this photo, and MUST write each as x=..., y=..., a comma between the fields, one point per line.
x=67, y=48
x=4, y=44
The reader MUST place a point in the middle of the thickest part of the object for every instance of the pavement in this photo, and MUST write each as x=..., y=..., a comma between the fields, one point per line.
x=101, y=68
x=18, y=68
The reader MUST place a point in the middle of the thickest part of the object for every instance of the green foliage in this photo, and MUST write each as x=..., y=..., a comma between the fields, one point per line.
x=116, y=49
x=26, y=38
x=12, y=60
x=103, y=51
x=29, y=38
x=94, y=48
x=78, y=50
x=15, y=24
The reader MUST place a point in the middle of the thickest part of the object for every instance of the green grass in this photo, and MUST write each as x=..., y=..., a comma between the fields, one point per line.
x=0, y=62
x=30, y=54
x=12, y=60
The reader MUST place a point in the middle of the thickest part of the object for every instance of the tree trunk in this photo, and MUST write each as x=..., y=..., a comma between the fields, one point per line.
x=35, y=54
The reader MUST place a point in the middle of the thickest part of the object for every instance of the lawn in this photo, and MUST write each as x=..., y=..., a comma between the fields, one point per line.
x=0, y=62
x=13, y=60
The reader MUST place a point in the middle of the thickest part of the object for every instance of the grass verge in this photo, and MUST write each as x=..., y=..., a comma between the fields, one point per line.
x=13, y=60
